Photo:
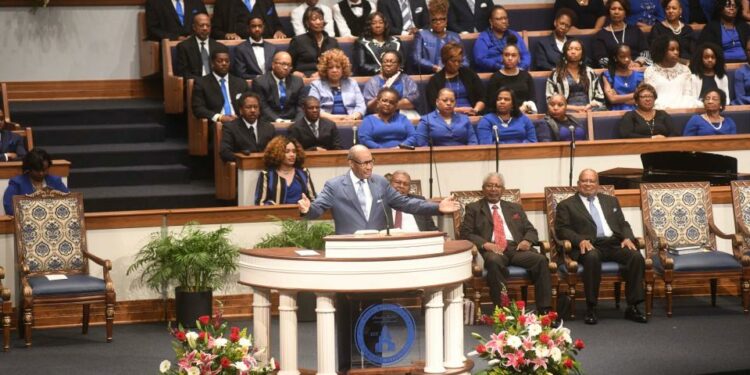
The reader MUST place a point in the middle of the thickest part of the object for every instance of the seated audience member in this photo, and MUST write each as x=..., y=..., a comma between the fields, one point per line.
x=549, y=50
x=230, y=19
x=284, y=179
x=697, y=11
x=247, y=133
x=35, y=176
x=557, y=123
x=463, y=82
x=620, y=80
x=645, y=13
x=617, y=32
x=279, y=90
x=253, y=57
x=401, y=181
x=369, y=48
x=391, y=76
x=711, y=122
x=577, y=82
x=386, y=128
x=670, y=78
x=728, y=30
x=445, y=126
x=469, y=16
x=193, y=53
x=709, y=71
x=745, y=10
x=339, y=94
x=596, y=227
x=488, y=49
x=161, y=22
x=505, y=237
x=299, y=19
x=214, y=94
x=673, y=26
x=307, y=48
x=645, y=121
x=405, y=17
x=511, y=124
x=12, y=146
x=350, y=16
x=429, y=42
x=590, y=14
x=312, y=132
x=742, y=81
x=514, y=78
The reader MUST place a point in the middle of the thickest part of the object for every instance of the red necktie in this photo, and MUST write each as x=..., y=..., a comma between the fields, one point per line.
x=397, y=223
x=498, y=230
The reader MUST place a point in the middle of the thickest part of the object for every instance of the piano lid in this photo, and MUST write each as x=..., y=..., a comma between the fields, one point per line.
x=689, y=161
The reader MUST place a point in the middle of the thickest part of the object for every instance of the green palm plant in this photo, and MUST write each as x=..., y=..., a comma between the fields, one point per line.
x=297, y=233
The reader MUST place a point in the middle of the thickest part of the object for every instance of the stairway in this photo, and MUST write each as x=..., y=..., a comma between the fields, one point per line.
x=124, y=154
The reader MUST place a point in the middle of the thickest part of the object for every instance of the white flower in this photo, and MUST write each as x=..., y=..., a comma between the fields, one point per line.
x=534, y=329
x=191, y=337
x=472, y=353
x=565, y=335
x=241, y=366
x=542, y=351
x=514, y=341
x=555, y=354
x=164, y=366
x=493, y=362
x=245, y=343
x=193, y=371
x=220, y=343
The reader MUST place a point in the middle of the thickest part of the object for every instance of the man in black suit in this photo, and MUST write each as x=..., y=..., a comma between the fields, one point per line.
x=504, y=236
x=463, y=19
x=278, y=83
x=401, y=181
x=311, y=131
x=246, y=134
x=231, y=18
x=420, y=17
x=194, y=53
x=594, y=224
x=215, y=94
x=12, y=145
x=171, y=20
x=253, y=57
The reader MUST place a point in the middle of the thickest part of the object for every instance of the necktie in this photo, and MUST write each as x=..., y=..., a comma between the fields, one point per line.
x=399, y=219
x=362, y=198
x=595, y=215
x=204, y=59
x=249, y=5
x=471, y=5
x=257, y=44
x=251, y=130
x=498, y=230
x=180, y=11
x=282, y=93
x=314, y=128
x=406, y=15
x=227, y=102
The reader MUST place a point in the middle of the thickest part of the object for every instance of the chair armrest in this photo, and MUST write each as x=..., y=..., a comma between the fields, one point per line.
x=106, y=263
x=545, y=247
x=736, y=239
x=476, y=269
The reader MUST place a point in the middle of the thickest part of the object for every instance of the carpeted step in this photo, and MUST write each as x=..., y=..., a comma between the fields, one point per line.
x=97, y=133
x=122, y=154
x=169, y=174
x=147, y=197
x=85, y=112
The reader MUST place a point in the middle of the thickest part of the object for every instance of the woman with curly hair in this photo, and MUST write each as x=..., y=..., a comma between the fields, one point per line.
x=577, y=82
x=306, y=48
x=339, y=94
x=374, y=41
x=709, y=71
x=429, y=42
x=670, y=78
x=285, y=179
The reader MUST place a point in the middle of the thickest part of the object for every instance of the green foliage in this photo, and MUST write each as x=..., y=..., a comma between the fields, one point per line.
x=297, y=233
x=192, y=259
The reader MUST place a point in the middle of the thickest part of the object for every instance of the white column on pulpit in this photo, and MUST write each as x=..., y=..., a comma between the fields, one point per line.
x=454, y=330
x=434, y=332
x=326, y=311
x=288, y=333
x=262, y=321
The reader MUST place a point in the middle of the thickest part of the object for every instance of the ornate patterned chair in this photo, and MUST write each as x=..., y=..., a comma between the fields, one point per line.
x=476, y=288
x=53, y=259
x=5, y=311
x=741, y=206
x=570, y=270
x=681, y=238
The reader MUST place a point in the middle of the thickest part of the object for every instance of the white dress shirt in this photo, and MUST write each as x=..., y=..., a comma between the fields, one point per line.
x=260, y=54
x=341, y=21
x=408, y=222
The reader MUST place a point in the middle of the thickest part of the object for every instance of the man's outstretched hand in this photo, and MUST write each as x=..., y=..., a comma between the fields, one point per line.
x=449, y=205
x=303, y=204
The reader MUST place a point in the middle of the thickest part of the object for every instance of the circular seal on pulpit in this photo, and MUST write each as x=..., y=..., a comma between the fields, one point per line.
x=384, y=333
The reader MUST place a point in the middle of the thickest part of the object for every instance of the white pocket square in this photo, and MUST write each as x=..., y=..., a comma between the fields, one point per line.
x=484, y=5
x=418, y=10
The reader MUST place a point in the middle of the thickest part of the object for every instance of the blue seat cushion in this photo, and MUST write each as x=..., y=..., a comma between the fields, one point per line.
x=514, y=271
x=705, y=261
x=608, y=268
x=41, y=286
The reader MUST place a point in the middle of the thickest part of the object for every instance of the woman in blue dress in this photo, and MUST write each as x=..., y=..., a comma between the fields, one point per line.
x=645, y=13
x=428, y=43
x=444, y=126
x=620, y=80
x=728, y=30
x=711, y=122
x=512, y=125
x=462, y=81
x=488, y=49
x=392, y=76
x=557, y=122
x=339, y=94
x=285, y=179
x=35, y=176
x=742, y=81
x=387, y=128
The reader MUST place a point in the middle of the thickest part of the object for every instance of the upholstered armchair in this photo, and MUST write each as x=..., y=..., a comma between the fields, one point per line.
x=53, y=258
x=5, y=311
x=570, y=270
x=741, y=208
x=476, y=288
x=681, y=239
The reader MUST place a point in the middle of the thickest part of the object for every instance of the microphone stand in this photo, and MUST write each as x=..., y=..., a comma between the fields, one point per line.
x=431, y=162
x=572, y=152
x=497, y=149
x=385, y=215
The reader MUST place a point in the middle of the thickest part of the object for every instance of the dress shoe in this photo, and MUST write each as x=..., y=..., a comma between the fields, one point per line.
x=632, y=313
x=591, y=317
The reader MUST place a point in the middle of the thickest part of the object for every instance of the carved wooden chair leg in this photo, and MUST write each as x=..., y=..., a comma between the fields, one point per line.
x=477, y=306
x=28, y=318
x=618, y=289
x=713, y=292
x=554, y=298
x=6, y=332
x=668, y=292
x=745, y=295
x=649, y=298
x=86, y=316
x=110, y=317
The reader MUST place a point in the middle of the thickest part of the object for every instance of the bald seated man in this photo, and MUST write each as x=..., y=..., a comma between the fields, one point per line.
x=401, y=181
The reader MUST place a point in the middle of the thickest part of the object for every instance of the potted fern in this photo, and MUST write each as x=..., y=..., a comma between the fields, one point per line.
x=194, y=261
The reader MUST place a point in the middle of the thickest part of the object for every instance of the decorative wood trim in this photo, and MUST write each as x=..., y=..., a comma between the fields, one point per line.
x=100, y=89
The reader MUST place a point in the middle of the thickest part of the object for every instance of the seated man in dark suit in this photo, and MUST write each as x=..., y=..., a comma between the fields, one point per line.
x=311, y=131
x=279, y=90
x=193, y=53
x=253, y=57
x=168, y=19
x=504, y=236
x=594, y=224
x=401, y=181
x=12, y=146
x=231, y=18
x=214, y=94
x=417, y=16
x=246, y=134
x=463, y=19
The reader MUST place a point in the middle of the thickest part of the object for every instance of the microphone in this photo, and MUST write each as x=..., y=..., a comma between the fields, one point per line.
x=354, y=134
x=385, y=214
x=497, y=135
x=572, y=129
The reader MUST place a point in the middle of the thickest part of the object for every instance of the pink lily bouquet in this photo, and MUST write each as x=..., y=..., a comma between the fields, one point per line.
x=526, y=343
x=215, y=349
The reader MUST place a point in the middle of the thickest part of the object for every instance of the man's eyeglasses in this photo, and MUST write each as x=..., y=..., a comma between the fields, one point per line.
x=366, y=162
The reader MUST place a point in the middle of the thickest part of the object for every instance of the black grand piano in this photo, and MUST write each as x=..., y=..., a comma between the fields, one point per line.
x=675, y=166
